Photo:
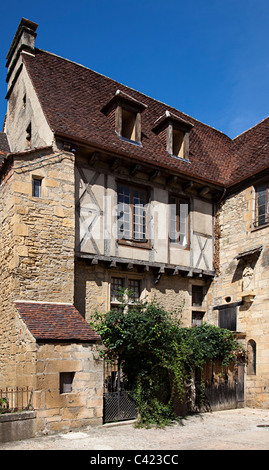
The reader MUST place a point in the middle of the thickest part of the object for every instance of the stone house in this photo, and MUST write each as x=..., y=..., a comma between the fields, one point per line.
x=103, y=187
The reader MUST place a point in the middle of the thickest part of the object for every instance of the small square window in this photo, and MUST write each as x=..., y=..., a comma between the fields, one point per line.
x=66, y=381
x=37, y=183
x=197, y=318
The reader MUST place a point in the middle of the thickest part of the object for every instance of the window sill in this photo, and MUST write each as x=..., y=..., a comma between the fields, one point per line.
x=178, y=246
x=182, y=159
x=135, y=244
x=134, y=142
x=254, y=229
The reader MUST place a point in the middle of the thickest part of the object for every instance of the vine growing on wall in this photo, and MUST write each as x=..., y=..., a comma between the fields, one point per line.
x=158, y=354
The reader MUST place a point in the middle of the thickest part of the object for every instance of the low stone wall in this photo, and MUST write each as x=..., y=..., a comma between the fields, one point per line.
x=82, y=404
x=17, y=426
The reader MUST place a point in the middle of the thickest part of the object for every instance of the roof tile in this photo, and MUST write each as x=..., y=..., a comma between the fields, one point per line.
x=73, y=96
x=55, y=322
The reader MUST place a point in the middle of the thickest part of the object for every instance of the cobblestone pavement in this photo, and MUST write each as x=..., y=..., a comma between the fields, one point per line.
x=240, y=429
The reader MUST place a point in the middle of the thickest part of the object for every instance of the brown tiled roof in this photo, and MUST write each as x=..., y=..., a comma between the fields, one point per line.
x=251, y=151
x=73, y=96
x=55, y=322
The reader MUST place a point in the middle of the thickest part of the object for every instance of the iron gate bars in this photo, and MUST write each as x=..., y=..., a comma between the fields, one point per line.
x=119, y=404
x=15, y=399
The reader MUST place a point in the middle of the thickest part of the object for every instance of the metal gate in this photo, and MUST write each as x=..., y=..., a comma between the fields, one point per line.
x=118, y=402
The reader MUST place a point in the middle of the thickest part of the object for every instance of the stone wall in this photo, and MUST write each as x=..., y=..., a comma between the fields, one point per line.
x=241, y=276
x=37, y=241
x=43, y=228
x=82, y=406
x=92, y=290
x=39, y=366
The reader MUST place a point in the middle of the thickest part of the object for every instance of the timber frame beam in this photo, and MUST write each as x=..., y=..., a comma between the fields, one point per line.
x=158, y=268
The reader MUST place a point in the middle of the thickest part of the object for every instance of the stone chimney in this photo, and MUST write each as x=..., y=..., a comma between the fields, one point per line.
x=24, y=40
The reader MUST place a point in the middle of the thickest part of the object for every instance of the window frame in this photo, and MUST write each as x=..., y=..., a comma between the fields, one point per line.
x=37, y=179
x=120, y=111
x=132, y=241
x=256, y=223
x=197, y=317
x=179, y=200
x=198, y=295
x=178, y=136
x=125, y=284
x=66, y=382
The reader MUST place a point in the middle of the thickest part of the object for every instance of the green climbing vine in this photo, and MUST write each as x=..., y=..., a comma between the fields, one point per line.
x=158, y=354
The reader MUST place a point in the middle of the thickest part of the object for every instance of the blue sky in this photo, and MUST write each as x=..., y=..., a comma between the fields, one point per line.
x=207, y=58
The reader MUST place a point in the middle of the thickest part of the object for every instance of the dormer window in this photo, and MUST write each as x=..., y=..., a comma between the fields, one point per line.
x=178, y=143
x=124, y=113
x=174, y=134
x=128, y=125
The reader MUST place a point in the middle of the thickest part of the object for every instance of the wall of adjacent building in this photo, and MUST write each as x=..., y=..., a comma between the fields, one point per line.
x=241, y=276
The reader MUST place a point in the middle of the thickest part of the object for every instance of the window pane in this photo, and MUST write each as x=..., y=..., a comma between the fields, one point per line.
x=116, y=285
x=134, y=286
x=37, y=187
x=139, y=215
x=131, y=213
x=173, y=220
x=124, y=212
x=183, y=218
x=179, y=221
x=261, y=208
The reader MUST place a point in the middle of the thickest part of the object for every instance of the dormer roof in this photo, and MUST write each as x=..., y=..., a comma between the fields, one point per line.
x=177, y=121
x=124, y=99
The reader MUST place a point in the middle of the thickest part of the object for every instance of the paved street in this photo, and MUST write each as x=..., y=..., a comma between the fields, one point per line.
x=242, y=429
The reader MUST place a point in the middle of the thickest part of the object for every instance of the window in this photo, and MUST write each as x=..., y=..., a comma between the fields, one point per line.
x=66, y=381
x=197, y=318
x=178, y=143
x=228, y=318
x=179, y=221
x=134, y=286
x=128, y=125
x=124, y=113
x=115, y=291
x=131, y=214
x=262, y=206
x=197, y=296
x=119, y=283
x=36, y=187
x=173, y=132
